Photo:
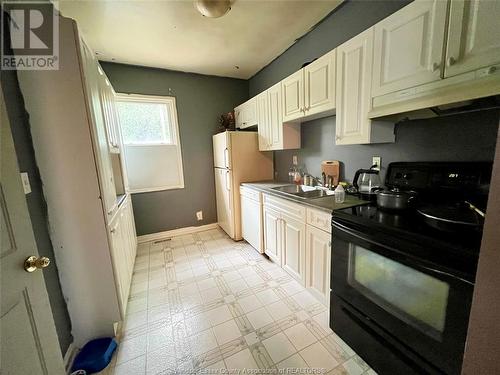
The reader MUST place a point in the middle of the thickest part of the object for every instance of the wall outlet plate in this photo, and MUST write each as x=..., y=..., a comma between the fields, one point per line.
x=199, y=215
x=295, y=160
x=377, y=160
x=26, y=183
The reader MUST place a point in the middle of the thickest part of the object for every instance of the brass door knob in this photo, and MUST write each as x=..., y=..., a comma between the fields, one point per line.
x=33, y=263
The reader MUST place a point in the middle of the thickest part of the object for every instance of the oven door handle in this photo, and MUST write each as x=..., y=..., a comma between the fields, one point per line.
x=420, y=265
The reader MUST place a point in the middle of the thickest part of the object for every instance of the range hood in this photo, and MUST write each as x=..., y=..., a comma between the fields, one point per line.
x=467, y=106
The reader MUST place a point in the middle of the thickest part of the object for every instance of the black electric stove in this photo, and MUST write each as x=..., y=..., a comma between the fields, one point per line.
x=401, y=288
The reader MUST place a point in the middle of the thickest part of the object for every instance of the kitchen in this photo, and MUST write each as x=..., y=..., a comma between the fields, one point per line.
x=327, y=294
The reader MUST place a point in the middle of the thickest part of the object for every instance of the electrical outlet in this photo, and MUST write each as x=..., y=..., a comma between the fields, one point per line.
x=295, y=160
x=377, y=160
x=199, y=215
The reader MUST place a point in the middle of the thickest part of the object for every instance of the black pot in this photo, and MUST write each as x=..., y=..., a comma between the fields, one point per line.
x=395, y=199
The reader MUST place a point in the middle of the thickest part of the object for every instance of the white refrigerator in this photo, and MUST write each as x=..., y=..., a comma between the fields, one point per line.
x=237, y=159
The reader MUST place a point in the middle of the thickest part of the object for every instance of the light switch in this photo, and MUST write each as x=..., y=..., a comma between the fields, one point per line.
x=26, y=182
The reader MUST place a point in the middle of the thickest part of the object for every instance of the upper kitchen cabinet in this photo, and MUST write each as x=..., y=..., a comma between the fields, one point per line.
x=109, y=112
x=353, y=98
x=319, y=85
x=94, y=86
x=273, y=133
x=246, y=114
x=310, y=91
x=293, y=96
x=473, y=37
x=408, y=47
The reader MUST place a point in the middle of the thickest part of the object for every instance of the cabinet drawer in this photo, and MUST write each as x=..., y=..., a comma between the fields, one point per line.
x=319, y=219
x=250, y=193
x=294, y=210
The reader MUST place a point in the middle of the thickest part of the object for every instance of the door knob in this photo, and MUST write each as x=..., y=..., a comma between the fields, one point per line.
x=33, y=263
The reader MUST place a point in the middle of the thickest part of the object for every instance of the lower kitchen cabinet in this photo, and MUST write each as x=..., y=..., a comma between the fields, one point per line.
x=123, y=250
x=293, y=247
x=318, y=256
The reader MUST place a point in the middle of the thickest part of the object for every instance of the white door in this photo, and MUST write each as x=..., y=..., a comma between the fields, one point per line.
x=251, y=222
x=473, y=36
x=354, y=67
x=222, y=157
x=318, y=263
x=224, y=200
x=408, y=47
x=294, y=248
x=272, y=235
x=28, y=335
x=107, y=184
x=262, y=102
x=293, y=96
x=275, y=119
x=319, y=84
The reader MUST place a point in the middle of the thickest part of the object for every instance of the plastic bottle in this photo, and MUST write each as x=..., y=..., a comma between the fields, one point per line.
x=339, y=194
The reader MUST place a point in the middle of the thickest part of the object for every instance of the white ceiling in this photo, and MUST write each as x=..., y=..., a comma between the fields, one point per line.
x=173, y=35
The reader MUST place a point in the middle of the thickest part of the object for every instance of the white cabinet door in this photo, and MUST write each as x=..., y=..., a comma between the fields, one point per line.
x=119, y=261
x=293, y=96
x=107, y=184
x=246, y=114
x=109, y=112
x=293, y=248
x=473, y=36
x=319, y=85
x=272, y=235
x=408, y=47
x=318, y=252
x=354, y=64
x=275, y=118
x=262, y=102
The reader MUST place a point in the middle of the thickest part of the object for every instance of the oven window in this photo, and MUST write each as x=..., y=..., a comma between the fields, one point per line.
x=412, y=296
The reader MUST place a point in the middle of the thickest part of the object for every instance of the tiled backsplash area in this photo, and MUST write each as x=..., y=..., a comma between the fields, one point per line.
x=464, y=137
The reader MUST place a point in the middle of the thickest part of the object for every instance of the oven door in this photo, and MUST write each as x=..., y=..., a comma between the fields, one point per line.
x=421, y=306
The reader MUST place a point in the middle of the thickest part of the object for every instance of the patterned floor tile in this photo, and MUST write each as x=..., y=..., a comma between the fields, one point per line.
x=202, y=301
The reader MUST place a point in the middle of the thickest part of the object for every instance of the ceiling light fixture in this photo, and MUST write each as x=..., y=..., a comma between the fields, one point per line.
x=213, y=8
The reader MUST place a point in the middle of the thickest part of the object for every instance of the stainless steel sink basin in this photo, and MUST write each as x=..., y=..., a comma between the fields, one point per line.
x=303, y=191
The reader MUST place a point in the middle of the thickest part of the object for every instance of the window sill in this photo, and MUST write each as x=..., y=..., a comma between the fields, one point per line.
x=160, y=188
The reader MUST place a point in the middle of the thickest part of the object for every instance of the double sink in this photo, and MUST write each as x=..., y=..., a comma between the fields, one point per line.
x=304, y=191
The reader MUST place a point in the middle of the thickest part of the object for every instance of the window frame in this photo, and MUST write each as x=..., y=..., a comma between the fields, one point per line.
x=174, y=127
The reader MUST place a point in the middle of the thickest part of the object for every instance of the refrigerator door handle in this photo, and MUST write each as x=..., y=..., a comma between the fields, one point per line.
x=228, y=184
x=226, y=157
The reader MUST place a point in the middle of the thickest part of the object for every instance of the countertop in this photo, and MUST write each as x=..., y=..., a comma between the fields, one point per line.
x=326, y=204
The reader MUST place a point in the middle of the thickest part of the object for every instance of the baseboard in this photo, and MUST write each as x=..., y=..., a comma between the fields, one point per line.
x=69, y=357
x=175, y=232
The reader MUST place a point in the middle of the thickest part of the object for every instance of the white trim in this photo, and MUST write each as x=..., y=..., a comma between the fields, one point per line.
x=157, y=188
x=175, y=232
x=69, y=357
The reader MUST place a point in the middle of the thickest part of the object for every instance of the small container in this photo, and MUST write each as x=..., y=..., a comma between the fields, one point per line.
x=339, y=194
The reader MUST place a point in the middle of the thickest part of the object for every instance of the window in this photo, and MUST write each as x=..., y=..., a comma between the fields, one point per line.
x=152, y=149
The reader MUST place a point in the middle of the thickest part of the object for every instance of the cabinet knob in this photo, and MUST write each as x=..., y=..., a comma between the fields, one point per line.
x=451, y=61
x=492, y=69
x=338, y=137
x=435, y=66
x=113, y=230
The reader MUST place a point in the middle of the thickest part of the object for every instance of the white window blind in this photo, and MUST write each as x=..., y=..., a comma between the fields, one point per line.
x=152, y=149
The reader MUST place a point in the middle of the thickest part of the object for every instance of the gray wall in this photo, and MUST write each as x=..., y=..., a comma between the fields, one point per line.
x=469, y=137
x=19, y=123
x=464, y=137
x=200, y=100
x=348, y=20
